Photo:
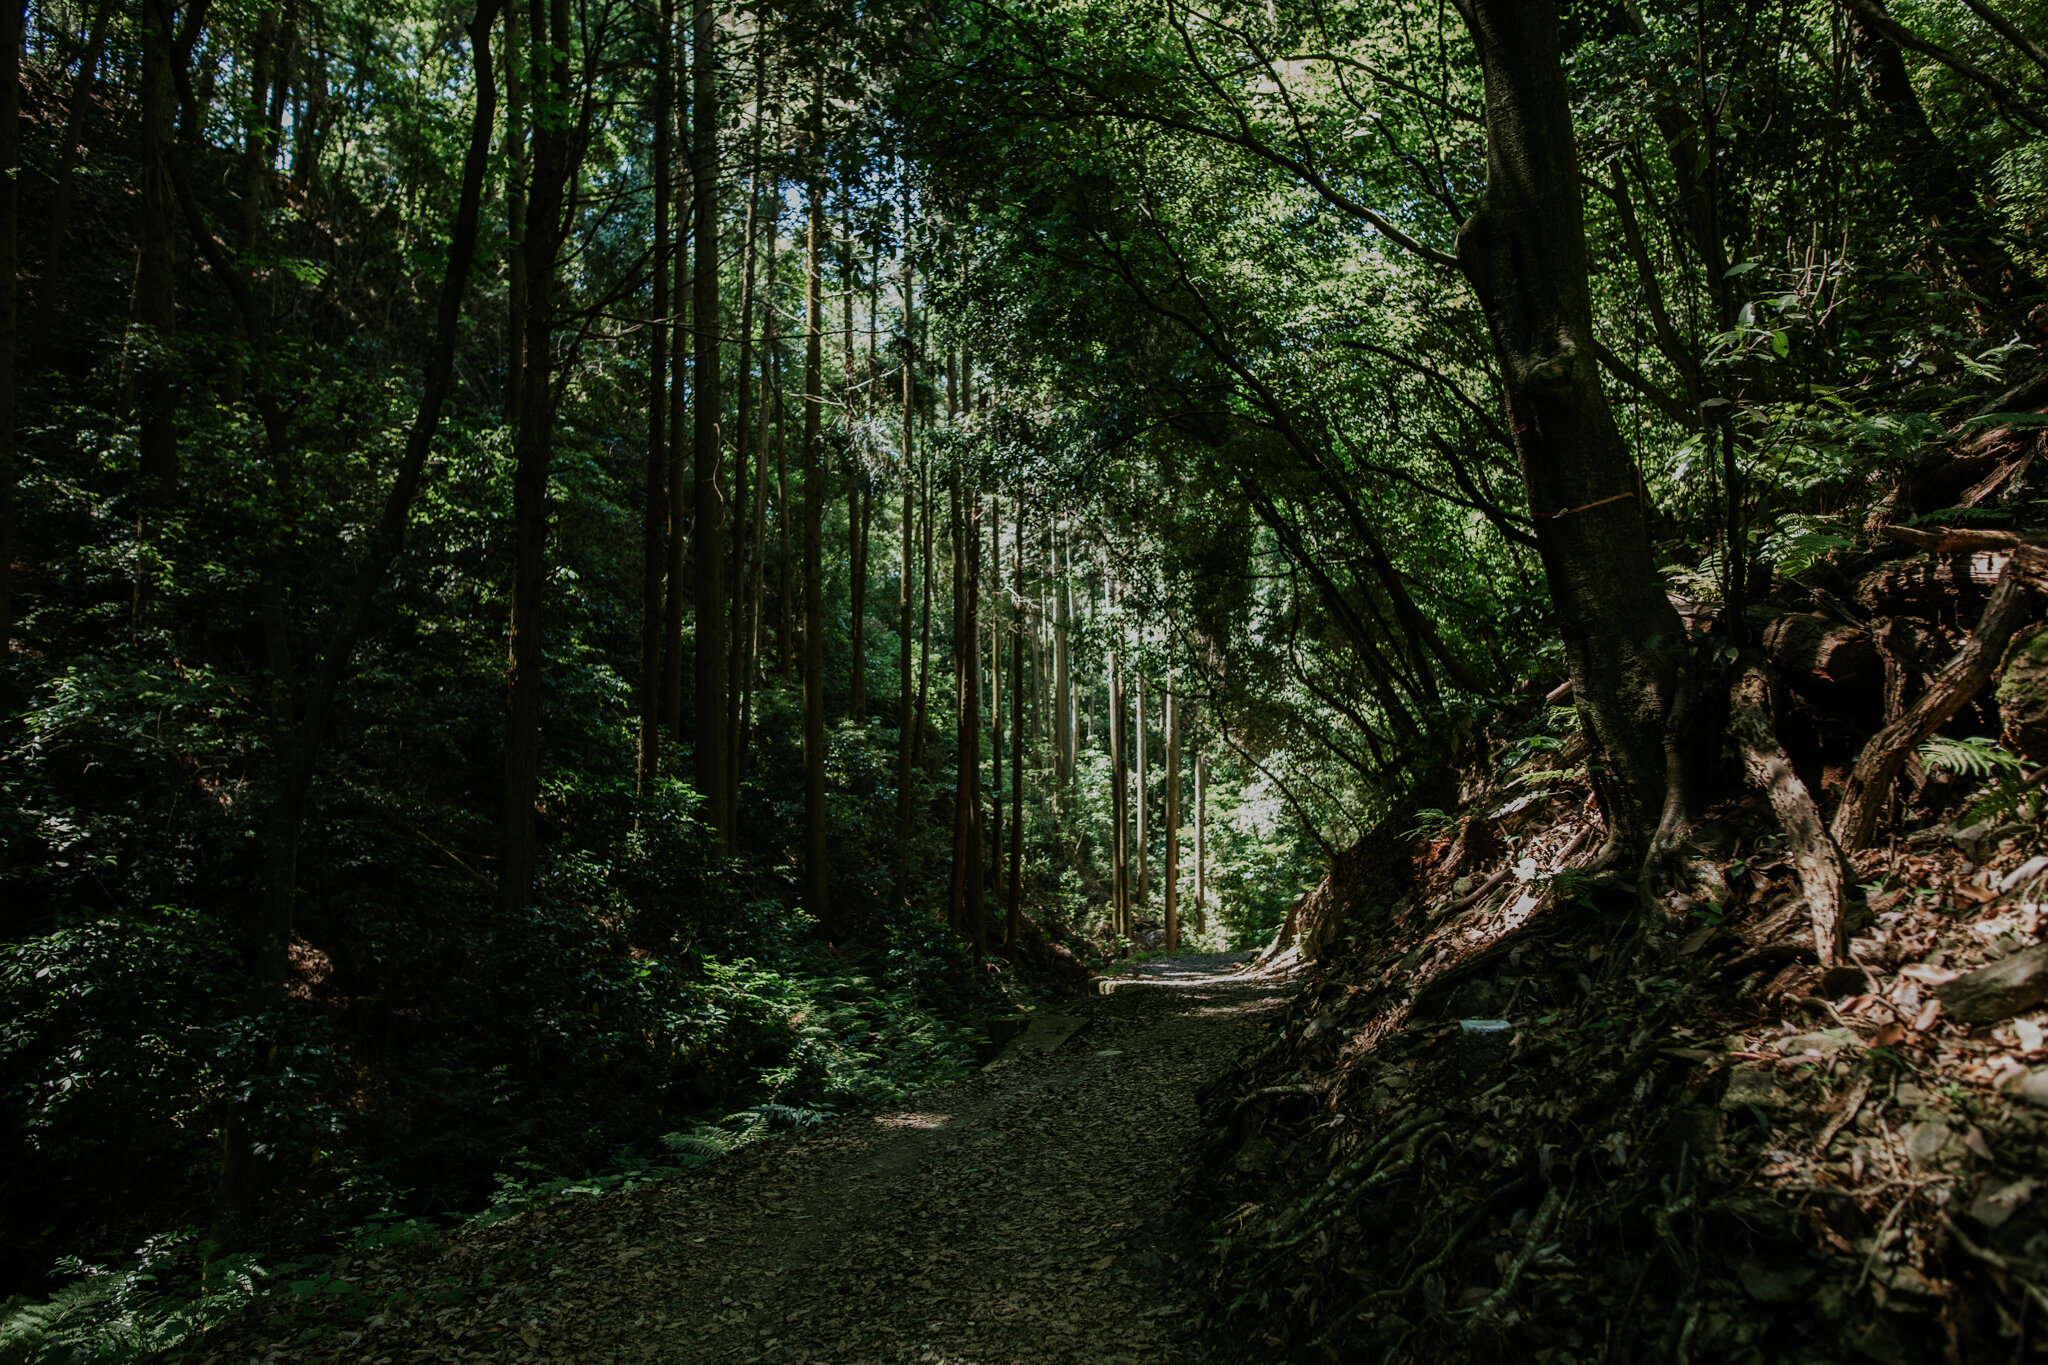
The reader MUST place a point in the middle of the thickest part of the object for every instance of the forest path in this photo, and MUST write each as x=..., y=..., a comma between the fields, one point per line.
x=1016, y=1218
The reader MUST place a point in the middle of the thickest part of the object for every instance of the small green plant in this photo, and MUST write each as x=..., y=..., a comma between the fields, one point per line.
x=1429, y=821
x=1974, y=756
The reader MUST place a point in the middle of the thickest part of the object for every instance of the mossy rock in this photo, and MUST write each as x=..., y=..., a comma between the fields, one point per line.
x=2023, y=697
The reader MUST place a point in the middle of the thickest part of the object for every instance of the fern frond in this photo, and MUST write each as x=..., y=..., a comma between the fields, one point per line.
x=1972, y=757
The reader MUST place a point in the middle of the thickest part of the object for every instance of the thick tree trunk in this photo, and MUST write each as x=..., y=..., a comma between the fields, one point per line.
x=976, y=923
x=708, y=704
x=156, y=271
x=654, y=494
x=741, y=532
x=859, y=498
x=965, y=706
x=677, y=594
x=1201, y=915
x=548, y=210
x=905, y=739
x=924, y=629
x=1172, y=822
x=747, y=646
x=1062, y=688
x=517, y=170
x=10, y=214
x=1139, y=890
x=1119, y=807
x=817, y=877
x=995, y=697
x=1524, y=253
x=259, y=150
x=1015, y=908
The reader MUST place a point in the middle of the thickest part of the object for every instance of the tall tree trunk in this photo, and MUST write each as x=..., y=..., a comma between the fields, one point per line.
x=1016, y=903
x=747, y=547
x=708, y=704
x=742, y=528
x=1201, y=915
x=1062, y=682
x=680, y=345
x=858, y=496
x=259, y=152
x=65, y=193
x=1119, y=806
x=970, y=748
x=965, y=706
x=654, y=509
x=757, y=542
x=517, y=169
x=817, y=877
x=924, y=634
x=10, y=213
x=548, y=210
x=156, y=272
x=1172, y=821
x=905, y=740
x=995, y=696
x=1144, y=790
x=1524, y=253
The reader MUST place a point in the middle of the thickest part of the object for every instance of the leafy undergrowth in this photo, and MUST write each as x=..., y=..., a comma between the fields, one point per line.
x=804, y=1047
x=1704, y=1148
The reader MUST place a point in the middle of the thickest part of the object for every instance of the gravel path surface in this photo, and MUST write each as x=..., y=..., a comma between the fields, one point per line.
x=1015, y=1219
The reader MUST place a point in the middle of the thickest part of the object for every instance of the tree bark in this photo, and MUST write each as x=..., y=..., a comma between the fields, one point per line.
x=10, y=213
x=708, y=704
x=156, y=271
x=1140, y=896
x=1524, y=253
x=817, y=877
x=654, y=509
x=1172, y=822
x=1119, y=806
x=677, y=567
x=1201, y=915
x=1823, y=874
x=995, y=696
x=905, y=621
x=976, y=920
x=1015, y=907
x=548, y=209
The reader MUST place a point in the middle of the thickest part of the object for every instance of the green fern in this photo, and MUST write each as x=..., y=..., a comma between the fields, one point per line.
x=1972, y=757
x=1979, y=757
x=704, y=1141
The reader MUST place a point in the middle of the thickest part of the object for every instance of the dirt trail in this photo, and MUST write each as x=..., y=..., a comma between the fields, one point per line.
x=1017, y=1217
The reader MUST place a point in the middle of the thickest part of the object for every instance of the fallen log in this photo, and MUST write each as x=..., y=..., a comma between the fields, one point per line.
x=1928, y=585
x=1809, y=645
x=1877, y=767
x=1949, y=540
x=1823, y=876
x=2007, y=987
